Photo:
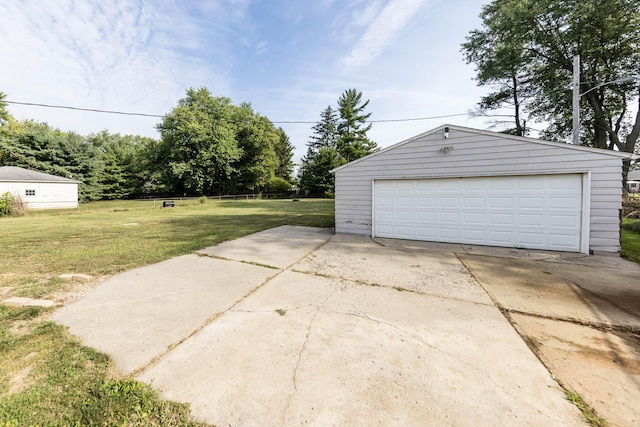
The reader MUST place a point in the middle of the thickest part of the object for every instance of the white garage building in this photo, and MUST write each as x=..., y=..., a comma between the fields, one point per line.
x=461, y=185
x=39, y=190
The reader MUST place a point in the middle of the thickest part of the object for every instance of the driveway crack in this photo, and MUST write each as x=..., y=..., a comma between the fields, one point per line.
x=295, y=369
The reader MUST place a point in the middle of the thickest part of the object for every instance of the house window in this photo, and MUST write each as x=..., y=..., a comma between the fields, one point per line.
x=30, y=192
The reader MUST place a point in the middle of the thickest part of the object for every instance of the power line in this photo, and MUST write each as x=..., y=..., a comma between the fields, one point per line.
x=126, y=113
x=93, y=110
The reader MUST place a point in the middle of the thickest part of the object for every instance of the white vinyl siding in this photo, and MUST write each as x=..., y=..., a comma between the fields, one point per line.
x=48, y=195
x=483, y=154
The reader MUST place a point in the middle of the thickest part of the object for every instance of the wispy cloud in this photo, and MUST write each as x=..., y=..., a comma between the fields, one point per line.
x=121, y=55
x=381, y=32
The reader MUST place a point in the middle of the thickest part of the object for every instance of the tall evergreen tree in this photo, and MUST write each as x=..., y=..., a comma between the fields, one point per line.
x=325, y=132
x=284, y=155
x=353, y=142
x=340, y=136
x=4, y=114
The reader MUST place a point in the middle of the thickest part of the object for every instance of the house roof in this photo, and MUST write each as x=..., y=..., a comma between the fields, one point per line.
x=634, y=175
x=16, y=174
x=495, y=135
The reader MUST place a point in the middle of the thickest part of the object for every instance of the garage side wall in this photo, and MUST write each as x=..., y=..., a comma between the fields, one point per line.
x=48, y=195
x=473, y=155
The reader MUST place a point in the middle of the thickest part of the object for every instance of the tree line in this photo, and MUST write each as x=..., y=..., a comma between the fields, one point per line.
x=207, y=146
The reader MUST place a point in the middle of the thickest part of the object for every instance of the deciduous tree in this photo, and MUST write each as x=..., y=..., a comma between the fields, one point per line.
x=198, y=144
x=525, y=51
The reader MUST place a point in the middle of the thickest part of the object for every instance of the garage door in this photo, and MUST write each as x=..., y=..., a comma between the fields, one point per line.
x=536, y=212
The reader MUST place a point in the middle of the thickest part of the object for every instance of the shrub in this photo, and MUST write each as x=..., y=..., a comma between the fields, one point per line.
x=202, y=200
x=278, y=185
x=10, y=205
x=6, y=204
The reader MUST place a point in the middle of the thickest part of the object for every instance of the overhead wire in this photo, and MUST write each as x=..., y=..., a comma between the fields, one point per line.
x=126, y=113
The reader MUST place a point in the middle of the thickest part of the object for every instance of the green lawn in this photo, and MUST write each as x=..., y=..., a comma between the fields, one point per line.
x=630, y=240
x=49, y=378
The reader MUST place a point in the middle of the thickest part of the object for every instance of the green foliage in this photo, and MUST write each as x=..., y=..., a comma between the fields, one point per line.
x=4, y=114
x=336, y=141
x=316, y=176
x=284, y=155
x=198, y=147
x=211, y=146
x=6, y=204
x=278, y=185
x=208, y=146
x=525, y=51
x=123, y=173
x=257, y=138
x=631, y=225
x=38, y=146
x=352, y=140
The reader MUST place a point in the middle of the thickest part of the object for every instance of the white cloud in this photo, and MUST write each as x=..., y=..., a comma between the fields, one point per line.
x=115, y=55
x=381, y=32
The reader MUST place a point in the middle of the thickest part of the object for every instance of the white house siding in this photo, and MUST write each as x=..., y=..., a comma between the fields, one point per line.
x=479, y=153
x=48, y=195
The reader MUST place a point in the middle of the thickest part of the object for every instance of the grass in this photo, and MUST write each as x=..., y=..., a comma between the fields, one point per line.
x=46, y=376
x=630, y=239
x=589, y=413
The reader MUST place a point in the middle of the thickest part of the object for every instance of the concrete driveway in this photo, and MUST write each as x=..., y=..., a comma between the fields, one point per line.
x=296, y=326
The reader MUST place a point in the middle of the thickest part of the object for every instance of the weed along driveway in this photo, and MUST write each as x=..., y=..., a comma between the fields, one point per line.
x=294, y=325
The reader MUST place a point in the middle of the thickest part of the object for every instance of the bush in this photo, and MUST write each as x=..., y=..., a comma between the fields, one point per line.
x=278, y=185
x=202, y=200
x=6, y=204
x=10, y=205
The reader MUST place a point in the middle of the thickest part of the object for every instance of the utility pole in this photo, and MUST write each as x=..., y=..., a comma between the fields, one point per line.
x=576, y=101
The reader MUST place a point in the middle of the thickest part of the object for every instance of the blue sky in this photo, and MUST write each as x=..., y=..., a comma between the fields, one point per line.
x=288, y=58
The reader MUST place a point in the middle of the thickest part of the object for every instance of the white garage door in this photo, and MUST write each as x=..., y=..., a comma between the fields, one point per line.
x=536, y=212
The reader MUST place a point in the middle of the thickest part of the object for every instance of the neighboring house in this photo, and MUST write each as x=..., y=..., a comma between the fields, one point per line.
x=633, y=181
x=460, y=185
x=39, y=190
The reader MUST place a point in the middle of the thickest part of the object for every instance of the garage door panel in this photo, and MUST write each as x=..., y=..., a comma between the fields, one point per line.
x=474, y=202
x=501, y=202
x=403, y=201
x=445, y=202
x=474, y=218
x=569, y=202
x=448, y=217
x=426, y=216
x=426, y=201
x=502, y=219
x=452, y=234
x=403, y=215
x=530, y=184
x=426, y=233
x=529, y=238
x=528, y=202
x=538, y=212
x=531, y=220
x=565, y=221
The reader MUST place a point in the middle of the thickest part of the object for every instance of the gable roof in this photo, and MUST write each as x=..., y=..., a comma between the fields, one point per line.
x=495, y=135
x=16, y=174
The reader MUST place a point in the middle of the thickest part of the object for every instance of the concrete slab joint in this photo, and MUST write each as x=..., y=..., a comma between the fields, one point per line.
x=294, y=325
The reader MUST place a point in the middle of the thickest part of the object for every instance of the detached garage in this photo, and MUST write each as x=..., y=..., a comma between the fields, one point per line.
x=460, y=185
x=39, y=190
